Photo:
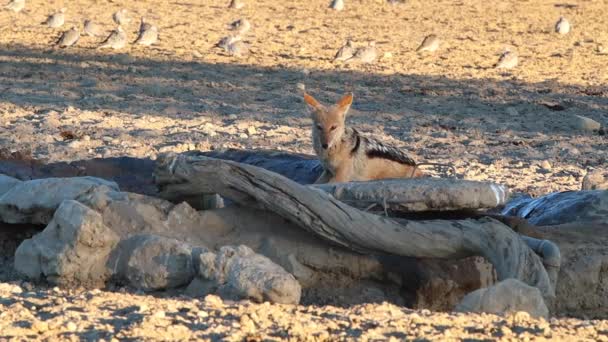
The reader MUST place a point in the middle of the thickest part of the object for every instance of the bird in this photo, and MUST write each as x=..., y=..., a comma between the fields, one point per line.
x=238, y=48
x=507, y=60
x=121, y=17
x=345, y=52
x=56, y=19
x=429, y=44
x=116, y=40
x=236, y=4
x=562, y=26
x=91, y=28
x=226, y=41
x=365, y=55
x=337, y=5
x=69, y=37
x=241, y=26
x=148, y=33
x=15, y=5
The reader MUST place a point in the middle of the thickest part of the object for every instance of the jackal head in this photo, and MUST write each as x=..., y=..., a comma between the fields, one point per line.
x=328, y=121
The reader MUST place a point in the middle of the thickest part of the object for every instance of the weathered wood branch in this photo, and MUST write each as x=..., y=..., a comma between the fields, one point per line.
x=335, y=221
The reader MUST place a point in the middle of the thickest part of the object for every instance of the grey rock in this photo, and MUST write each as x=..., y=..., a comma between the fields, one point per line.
x=507, y=296
x=239, y=273
x=69, y=37
x=507, y=60
x=35, y=201
x=91, y=28
x=56, y=19
x=593, y=180
x=72, y=250
x=7, y=183
x=151, y=262
x=429, y=44
x=148, y=33
x=15, y=5
x=346, y=51
x=116, y=40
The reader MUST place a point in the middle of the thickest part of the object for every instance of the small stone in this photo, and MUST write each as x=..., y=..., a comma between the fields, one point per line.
x=232, y=117
x=251, y=130
x=74, y=144
x=305, y=71
x=71, y=326
x=585, y=124
x=86, y=138
x=159, y=314
x=197, y=54
x=40, y=326
x=10, y=288
x=545, y=165
x=213, y=301
x=301, y=86
x=387, y=55
x=520, y=317
x=243, y=136
x=202, y=314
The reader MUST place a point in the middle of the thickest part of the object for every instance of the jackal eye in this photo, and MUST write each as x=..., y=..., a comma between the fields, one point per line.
x=333, y=127
x=319, y=127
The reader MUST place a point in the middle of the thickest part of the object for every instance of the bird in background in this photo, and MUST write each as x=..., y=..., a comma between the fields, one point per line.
x=91, y=28
x=69, y=37
x=236, y=4
x=364, y=55
x=346, y=51
x=148, y=33
x=562, y=26
x=337, y=5
x=121, y=17
x=116, y=40
x=56, y=19
x=15, y=5
x=429, y=44
x=241, y=26
x=507, y=60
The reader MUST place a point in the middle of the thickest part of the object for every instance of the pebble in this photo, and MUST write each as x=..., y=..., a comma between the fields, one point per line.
x=202, y=314
x=213, y=301
x=545, y=164
x=243, y=136
x=71, y=326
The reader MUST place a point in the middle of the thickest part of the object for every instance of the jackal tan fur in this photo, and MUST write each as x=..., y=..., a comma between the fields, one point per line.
x=348, y=156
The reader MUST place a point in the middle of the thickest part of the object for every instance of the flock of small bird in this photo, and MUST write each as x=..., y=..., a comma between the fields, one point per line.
x=348, y=53
x=117, y=39
x=233, y=43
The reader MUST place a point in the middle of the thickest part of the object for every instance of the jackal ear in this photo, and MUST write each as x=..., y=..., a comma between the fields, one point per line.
x=312, y=103
x=345, y=102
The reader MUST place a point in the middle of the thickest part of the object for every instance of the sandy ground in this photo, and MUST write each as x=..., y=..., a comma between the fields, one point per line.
x=515, y=127
x=96, y=315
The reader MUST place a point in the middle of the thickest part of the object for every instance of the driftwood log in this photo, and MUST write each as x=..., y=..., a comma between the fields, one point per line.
x=179, y=176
